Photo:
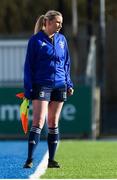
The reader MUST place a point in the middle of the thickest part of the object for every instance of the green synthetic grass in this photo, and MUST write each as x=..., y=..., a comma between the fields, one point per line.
x=85, y=159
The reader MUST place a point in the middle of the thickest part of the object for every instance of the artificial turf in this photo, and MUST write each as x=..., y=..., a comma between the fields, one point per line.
x=85, y=159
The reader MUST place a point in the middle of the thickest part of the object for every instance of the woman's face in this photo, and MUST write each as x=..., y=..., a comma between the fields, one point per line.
x=56, y=24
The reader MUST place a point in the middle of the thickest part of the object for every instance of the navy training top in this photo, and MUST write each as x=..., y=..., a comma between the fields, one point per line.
x=46, y=63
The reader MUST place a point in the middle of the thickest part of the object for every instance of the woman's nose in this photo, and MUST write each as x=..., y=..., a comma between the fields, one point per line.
x=60, y=25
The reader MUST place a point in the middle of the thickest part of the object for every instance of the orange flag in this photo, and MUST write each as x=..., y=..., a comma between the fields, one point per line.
x=20, y=95
x=24, y=109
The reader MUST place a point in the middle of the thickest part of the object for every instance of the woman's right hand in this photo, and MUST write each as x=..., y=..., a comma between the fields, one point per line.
x=70, y=91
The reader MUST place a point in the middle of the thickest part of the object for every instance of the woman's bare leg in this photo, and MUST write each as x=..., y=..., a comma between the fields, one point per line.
x=54, y=110
x=39, y=113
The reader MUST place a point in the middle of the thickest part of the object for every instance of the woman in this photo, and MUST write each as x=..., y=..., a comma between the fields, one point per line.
x=47, y=81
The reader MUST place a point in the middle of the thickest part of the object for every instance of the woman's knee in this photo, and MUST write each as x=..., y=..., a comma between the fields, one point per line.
x=39, y=122
x=53, y=122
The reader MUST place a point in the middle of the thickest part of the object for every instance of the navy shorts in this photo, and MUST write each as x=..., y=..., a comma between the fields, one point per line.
x=49, y=94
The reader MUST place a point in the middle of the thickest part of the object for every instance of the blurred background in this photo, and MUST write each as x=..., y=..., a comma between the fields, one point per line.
x=90, y=27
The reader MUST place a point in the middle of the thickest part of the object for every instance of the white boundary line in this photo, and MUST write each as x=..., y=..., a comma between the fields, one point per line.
x=41, y=169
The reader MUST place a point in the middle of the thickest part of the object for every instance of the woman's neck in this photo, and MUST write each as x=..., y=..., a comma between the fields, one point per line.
x=50, y=35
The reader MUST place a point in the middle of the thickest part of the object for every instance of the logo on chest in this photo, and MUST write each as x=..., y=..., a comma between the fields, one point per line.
x=43, y=44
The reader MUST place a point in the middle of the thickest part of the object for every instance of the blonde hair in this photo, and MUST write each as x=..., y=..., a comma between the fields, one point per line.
x=39, y=24
x=41, y=21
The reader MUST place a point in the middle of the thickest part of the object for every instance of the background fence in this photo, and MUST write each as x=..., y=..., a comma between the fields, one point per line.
x=12, y=56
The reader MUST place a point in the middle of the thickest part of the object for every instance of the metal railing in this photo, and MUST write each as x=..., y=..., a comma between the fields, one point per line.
x=12, y=56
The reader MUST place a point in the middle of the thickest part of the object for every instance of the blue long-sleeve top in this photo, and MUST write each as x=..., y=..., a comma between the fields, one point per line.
x=46, y=63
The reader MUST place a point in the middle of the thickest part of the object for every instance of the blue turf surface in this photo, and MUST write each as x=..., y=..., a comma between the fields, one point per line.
x=12, y=157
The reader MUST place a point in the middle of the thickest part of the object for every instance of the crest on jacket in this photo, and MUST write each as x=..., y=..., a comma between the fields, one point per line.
x=61, y=44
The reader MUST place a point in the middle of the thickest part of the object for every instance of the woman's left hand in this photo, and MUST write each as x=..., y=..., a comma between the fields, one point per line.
x=70, y=91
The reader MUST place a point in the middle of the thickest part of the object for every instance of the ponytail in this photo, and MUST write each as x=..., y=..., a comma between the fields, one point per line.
x=39, y=24
x=41, y=21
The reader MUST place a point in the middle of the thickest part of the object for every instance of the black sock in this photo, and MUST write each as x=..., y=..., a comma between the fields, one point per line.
x=34, y=137
x=53, y=137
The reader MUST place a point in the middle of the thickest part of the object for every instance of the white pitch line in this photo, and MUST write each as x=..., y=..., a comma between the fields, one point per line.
x=41, y=169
